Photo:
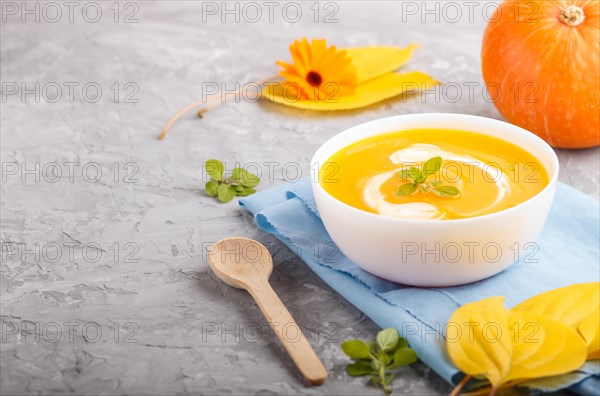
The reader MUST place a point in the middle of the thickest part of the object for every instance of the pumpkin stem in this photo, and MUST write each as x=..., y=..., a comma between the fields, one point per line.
x=572, y=16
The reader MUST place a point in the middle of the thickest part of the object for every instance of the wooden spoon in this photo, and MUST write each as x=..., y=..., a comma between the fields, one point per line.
x=246, y=264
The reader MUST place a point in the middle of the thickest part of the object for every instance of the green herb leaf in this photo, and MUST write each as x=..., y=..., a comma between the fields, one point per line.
x=247, y=191
x=387, y=339
x=404, y=357
x=402, y=343
x=373, y=347
x=244, y=177
x=417, y=180
x=241, y=182
x=215, y=169
x=378, y=358
x=405, y=175
x=360, y=368
x=356, y=349
x=415, y=174
x=406, y=189
x=385, y=359
x=211, y=188
x=431, y=166
x=225, y=193
x=446, y=191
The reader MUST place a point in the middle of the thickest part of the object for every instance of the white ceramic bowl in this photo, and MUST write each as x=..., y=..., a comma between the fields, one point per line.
x=434, y=252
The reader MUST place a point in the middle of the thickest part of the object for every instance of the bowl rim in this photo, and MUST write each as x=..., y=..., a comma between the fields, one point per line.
x=315, y=181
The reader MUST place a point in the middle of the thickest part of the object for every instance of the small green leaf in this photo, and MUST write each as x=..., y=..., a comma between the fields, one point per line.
x=385, y=359
x=247, y=191
x=431, y=166
x=446, y=191
x=402, y=343
x=404, y=357
x=244, y=177
x=239, y=188
x=225, y=193
x=373, y=347
x=376, y=364
x=415, y=180
x=405, y=175
x=378, y=359
x=211, y=188
x=356, y=349
x=360, y=368
x=387, y=339
x=214, y=169
x=415, y=174
x=406, y=189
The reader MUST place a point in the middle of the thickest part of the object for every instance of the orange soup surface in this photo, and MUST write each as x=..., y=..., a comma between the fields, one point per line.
x=396, y=174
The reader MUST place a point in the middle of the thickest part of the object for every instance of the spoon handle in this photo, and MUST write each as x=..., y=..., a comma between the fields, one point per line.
x=289, y=333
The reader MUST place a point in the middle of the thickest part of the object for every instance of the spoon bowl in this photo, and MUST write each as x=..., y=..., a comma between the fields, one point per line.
x=240, y=262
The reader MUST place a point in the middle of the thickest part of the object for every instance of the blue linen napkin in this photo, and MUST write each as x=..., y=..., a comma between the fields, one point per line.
x=568, y=252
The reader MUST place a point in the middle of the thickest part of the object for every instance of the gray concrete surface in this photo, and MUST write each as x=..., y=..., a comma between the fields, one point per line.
x=105, y=285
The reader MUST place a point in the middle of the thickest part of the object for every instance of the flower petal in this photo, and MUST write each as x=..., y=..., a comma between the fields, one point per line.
x=368, y=93
x=371, y=62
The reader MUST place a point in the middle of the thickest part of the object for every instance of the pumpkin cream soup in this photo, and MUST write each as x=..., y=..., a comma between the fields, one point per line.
x=432, y=174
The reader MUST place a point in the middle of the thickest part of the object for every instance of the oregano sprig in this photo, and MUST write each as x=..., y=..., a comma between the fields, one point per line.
x=379, y=358
x=240, y=183
x=416, y=180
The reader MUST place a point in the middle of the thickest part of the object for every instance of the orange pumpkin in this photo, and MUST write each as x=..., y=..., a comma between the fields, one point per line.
x=541, y=66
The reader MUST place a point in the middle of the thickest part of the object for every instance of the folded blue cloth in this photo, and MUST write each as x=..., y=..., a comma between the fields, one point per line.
x=568, y=252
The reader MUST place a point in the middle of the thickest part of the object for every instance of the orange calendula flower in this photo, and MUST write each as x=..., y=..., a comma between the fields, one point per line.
x=320, y=72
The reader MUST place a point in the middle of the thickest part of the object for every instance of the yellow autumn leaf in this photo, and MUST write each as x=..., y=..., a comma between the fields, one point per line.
x=577, y=306
x=491, y=341
x=373, y=91
x=543, y=347
x=468, y=349
x=588, y=328
x=371, y=62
